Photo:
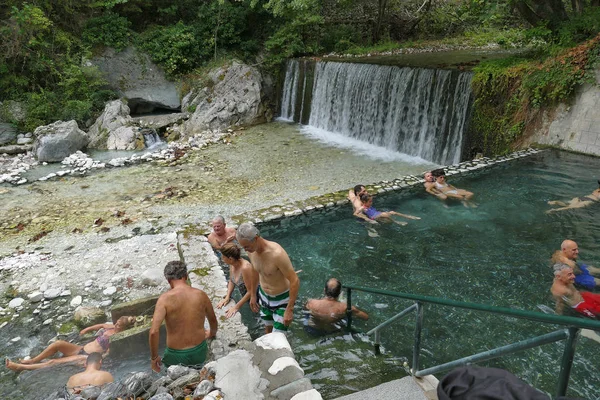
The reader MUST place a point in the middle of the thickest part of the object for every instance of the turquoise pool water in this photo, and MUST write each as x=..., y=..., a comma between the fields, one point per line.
x=497, y=254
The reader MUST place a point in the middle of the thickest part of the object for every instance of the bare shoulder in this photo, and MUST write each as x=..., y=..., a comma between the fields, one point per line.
x=230, y=231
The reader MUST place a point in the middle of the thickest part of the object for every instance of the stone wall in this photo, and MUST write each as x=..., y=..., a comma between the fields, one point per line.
x=575, y=127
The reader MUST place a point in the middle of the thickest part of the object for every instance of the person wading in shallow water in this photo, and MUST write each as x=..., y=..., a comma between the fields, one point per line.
x=327, y=312
x=220, y=234
x=184, y=310
x=278, y=282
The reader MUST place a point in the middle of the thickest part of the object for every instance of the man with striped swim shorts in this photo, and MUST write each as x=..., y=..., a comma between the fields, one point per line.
x=278, y=284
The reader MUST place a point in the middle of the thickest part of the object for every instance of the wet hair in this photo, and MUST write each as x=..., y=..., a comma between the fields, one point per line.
x=358, y=188
x=559, y=268
x=438, y=172
x=125, y=321
x=333, y=288
x=365, y=197
x=231, y=250
x=220, y=219
x=175, y=270
x=247, y=231
x=599, y=183
x=94, y=358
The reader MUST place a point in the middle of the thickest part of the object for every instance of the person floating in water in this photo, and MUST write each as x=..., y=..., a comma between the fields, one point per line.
x=220, y=234
x=327, y=312
x=74, y=353
x=565, y=293
x=585, y=275
x=431, y=188
x=371, y=212
x=184, y=310
x=241, y=275
x=92, y=376
x=576, y=202
x=354, y=197
x=450, y=191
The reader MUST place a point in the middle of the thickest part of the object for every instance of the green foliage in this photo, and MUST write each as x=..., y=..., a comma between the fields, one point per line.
x=510, y=93
x=580, y=28
x=298, y=37
x=109, y=30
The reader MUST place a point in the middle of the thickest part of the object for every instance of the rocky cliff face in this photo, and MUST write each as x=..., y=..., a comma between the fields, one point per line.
x=233, y=95
x=134, y=76
x=574, y=127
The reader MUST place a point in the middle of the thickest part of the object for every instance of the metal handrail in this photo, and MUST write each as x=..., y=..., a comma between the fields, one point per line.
x=574, y=325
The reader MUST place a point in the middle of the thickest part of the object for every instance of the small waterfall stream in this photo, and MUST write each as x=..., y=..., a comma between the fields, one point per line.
x=416, y=111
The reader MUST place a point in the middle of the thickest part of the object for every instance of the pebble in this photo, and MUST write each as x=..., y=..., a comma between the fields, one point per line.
x=88, y=283
x=52, y=293
x=15, y=339
x=76, y=301
x=47, y=322
x=105, y=303
x=16, y=302
x=109, y=291
x=35, y=296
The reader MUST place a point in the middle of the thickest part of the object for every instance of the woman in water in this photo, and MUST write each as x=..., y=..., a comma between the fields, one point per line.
x=576, y=202
x=450, y=191
x=372, y=213
x=73, y=352
x=241, y=275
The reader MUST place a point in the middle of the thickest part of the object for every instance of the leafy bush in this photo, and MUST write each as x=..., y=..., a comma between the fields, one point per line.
x=299, y=36
x=110, y=30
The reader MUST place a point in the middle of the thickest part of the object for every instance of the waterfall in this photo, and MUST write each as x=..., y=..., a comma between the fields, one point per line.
x=416, y=111
x=151, y=138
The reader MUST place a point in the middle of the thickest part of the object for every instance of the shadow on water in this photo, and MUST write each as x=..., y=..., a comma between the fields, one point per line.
x=496, y=254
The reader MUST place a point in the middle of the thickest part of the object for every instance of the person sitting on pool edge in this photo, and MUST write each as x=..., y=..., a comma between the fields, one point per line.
x=564, y=292
x=74, y=353
x=372, y=213
x=576, y=202
x=92, y=376
x=354, y=197
x=585, y=276
x=327, y=312
x=450, y=191
x=430, y=186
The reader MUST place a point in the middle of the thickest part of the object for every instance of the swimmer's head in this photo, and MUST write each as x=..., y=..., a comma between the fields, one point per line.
x=230, y=250
x=428, y=176
x=333, y=288
x=366, y=198
x=438, y=172
x=359, y=189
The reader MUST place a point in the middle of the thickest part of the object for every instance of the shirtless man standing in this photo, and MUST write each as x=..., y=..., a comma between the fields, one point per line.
x=220, y=234
x=279, y=284
x=584, y=274
x=564, y=292
x=184, y=309
x=92, y=376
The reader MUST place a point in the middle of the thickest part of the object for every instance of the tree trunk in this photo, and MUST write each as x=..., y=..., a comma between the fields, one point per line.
x=382, y=5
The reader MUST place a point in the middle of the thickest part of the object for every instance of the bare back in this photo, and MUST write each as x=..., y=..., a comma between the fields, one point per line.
x=269, y=264
x=89, y=378
x=186, y=309
x=331, y=311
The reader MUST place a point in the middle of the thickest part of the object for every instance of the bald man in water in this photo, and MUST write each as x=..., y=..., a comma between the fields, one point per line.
x=584, y=274
x=92, y=376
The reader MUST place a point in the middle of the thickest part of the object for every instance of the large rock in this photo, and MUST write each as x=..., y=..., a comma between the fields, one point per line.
x=12, y=111
x=125, y=138
x=134, y=76
x=114, y=116
x=56, y=141
x=235, y=96
x=88, y=316
x=8, y=133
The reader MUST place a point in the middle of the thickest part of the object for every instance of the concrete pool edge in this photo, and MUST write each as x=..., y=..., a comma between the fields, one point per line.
x=282, y=215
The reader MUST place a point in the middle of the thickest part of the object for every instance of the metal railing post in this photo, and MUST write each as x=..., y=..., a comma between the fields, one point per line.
x=417, y=342
x=349, y=309
x=377, y=342
x=567, y=362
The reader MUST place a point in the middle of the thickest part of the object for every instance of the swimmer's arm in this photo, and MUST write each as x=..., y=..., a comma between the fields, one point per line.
x=360, y=214
x=160, y=313
x=95, y=328
x=227, y=297
x=248, y=276
x=252, y=287
x=351, y=195
x=434, y=191
x=593, y=270
x=358, y=313
x=210, y=315
x=560, y=306
x=213, y=242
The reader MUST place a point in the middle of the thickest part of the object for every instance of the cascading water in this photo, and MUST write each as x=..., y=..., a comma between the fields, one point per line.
x=151, y=138
x=416, y=111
